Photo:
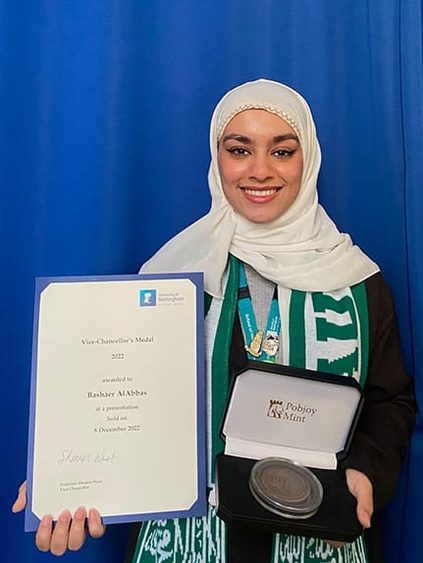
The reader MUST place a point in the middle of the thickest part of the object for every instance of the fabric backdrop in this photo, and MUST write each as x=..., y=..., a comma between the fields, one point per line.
x=104, y=111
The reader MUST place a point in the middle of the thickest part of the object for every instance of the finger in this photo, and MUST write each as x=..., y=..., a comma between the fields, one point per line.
x=20, y=501
x=77, y=531
x=60, y=535
x=363, y=517
x=364, y=513
x=43, y=535
x=95, y=525
x=361, y=487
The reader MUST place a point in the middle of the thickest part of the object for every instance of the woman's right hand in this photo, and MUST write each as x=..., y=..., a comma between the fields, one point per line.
x=68, y=532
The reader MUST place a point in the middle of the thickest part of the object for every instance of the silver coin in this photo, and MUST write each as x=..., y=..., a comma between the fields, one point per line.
x=286, y=487
x=285, y=484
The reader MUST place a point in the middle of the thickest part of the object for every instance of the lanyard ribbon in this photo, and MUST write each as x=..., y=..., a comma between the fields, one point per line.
x=262, y=345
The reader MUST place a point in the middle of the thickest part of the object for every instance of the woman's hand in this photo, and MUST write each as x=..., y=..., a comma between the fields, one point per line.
x=361, y=488
x=20, y=501
x=67, y=533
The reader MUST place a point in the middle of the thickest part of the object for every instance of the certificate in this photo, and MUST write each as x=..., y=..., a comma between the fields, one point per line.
x=117, y=398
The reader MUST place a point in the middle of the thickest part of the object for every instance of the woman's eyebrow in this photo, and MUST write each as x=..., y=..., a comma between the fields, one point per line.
x=286, y=137
x=237, y=137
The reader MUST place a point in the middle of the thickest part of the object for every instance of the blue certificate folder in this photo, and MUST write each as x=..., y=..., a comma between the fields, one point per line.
x=117, y=406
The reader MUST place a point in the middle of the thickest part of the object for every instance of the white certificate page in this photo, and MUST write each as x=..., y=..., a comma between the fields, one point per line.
x=117, y=405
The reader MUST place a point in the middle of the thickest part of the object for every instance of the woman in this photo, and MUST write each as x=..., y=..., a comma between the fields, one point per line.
x=333, y=313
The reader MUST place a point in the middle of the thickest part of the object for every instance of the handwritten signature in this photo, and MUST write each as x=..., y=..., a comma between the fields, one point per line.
x=73, y=456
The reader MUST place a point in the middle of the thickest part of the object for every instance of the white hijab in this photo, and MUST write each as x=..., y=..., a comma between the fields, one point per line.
x=302, y=249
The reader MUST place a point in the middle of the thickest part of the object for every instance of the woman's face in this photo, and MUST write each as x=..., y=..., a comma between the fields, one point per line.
x=260, y=164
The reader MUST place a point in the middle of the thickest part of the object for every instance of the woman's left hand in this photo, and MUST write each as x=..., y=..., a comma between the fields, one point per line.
x=360, y=486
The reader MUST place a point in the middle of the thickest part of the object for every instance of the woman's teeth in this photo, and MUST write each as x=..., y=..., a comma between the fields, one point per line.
x=262, y=193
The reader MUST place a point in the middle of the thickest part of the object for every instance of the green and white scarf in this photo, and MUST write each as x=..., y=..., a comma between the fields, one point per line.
x=320, y=331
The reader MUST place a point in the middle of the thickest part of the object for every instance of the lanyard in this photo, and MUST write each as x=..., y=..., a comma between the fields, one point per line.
x=262, y=345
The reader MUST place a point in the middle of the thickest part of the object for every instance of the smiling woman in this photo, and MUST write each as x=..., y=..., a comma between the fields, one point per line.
x=269, y=252
x=282, y=285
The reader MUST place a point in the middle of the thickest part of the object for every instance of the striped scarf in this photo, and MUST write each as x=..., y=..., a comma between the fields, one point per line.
x=320, y=331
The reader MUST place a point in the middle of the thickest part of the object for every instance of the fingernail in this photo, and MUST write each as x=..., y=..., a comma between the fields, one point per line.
x=93, y=516
x=80, y=513
x=46, y=521
x=65, y=517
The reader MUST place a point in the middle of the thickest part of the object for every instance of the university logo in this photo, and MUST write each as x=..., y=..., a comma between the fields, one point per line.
x=147, y=297
x=275, y=409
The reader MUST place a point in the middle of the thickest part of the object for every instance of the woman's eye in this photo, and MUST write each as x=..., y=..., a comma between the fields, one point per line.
x=238, y=151
x=284, y=153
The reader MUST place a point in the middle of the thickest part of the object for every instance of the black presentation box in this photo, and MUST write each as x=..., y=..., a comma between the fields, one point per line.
x=302, y=415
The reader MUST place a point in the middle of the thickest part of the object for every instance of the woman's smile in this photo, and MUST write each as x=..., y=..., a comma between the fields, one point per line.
x=260, y=195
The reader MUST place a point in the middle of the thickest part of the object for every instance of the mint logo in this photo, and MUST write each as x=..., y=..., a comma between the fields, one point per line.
x=275, y=409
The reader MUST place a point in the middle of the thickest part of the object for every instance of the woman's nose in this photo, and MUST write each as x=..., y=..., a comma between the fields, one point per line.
x=260, y=168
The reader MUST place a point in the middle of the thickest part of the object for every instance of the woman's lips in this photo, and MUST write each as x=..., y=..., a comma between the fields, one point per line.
x=260, y=195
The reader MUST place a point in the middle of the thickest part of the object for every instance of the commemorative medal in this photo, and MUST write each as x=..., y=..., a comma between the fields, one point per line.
x=270, y=343
x=254, y=348
x=286, y=488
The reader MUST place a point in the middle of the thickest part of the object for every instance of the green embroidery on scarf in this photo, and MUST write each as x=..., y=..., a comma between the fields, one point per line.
x=345, y=329
x=184, y=540
x=360, y=297
x=296, y=549
x=220, y=357
x=297, y=357
x=326, y=329
x=346, y=366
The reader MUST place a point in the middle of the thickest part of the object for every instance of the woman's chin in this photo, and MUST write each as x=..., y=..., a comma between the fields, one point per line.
x=259, y=218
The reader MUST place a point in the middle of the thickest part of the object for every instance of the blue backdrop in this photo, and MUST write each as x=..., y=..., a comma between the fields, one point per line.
x=104, y=111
